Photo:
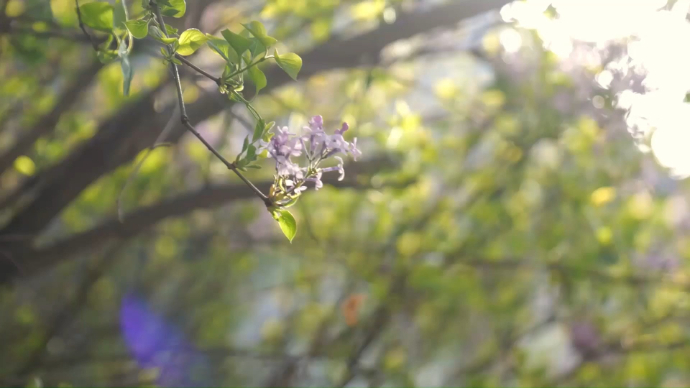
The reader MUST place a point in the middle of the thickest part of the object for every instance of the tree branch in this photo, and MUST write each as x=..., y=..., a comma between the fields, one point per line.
x=46, y=124
x=198, y=69
x=146, y=217
x=69, y=312
x=129, y=131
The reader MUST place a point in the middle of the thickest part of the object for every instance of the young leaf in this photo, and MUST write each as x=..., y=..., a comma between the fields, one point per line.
x=287, y=223
x=245, y=144
x=156, y=33
x=126, y=68
x=223, y=49
x=259, y=31
x=258, y=77
x=119, y=14
x=190, y=41
x=127, y=75
x=251, y=153
x=239, y=43
x=170, y=30
x=174, y=8
x=291, y=63
x=256, y=28
x=106, y=56
x=138, y=28
x=258, y=130
x=256, y=48
x=97, y=15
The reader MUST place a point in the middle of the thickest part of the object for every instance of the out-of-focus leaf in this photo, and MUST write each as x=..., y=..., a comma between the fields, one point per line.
x=97, y=15
x=138, y=28
x=174, y=8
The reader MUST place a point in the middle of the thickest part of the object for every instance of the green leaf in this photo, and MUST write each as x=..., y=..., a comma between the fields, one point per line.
x=190, y=41
x=223, y=49
x=258, y=77
x=239, y=43
x=258, y=130
x=138, y=28
x=106, y=56
x=259, y=31
x=245, y=144
x=98, y=16
x=251, y=153
x=127, y=75
x=119, y=15
x=156, y=33
x=127, y=72
x=170, y=30
x=174, y=8
x=291, y=63
x=287, y=223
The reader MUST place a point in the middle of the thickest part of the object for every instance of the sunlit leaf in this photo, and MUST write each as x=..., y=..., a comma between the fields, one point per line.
x=259, y=32
x=170, y=30
x=156, y=33
x=119, y=15
x=223, y=49
x=97, y=15
x=258, y=78
x=287, y=223
x=174, y=8
x=190, y=41
x=291, y=63
x=138, y=28
x=238, y=42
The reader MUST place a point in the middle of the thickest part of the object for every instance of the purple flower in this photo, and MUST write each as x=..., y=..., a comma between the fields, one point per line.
x=317, y=147
x=316, y=179
x=353, y=149
x=338, y=168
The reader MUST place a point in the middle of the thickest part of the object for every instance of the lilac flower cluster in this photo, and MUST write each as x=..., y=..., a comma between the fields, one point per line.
x=316, y=145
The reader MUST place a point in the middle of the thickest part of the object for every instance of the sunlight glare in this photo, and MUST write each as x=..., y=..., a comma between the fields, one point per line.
x=650, y=31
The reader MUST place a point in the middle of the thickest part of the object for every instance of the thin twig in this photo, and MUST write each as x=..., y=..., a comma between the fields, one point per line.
x=183, y=112
x=83, y=28
x=197, y=69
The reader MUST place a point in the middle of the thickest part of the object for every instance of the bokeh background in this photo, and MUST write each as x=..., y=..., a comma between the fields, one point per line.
x=518, y=218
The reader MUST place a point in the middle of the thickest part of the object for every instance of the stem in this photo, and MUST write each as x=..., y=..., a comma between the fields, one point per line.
x=249, y=66
x=183, y=112
x=197, y=69
x=248, y=105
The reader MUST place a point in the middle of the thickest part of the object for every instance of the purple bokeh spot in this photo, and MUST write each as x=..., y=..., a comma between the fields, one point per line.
x=155, y=343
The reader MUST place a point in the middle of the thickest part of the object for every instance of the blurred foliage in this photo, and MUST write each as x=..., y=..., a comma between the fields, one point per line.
x=514, y=243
